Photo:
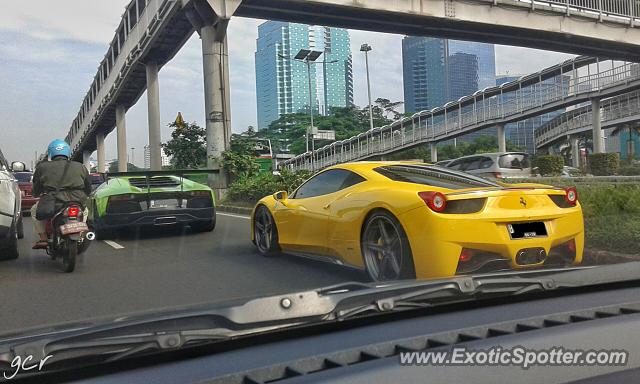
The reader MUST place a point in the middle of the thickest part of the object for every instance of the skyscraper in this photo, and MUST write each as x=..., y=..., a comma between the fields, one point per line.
x=165, y=160
x=282, y=84
x=436, y=71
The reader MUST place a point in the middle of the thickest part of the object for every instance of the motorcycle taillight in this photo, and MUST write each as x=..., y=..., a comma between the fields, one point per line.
x=73, y=212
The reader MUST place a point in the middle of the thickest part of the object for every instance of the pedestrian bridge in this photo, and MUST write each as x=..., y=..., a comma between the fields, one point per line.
x=614, y=112
x=151, y=32
x=604, y=28
x=551, y=89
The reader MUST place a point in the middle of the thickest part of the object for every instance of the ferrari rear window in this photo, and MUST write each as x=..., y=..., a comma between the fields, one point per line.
x=435, y=176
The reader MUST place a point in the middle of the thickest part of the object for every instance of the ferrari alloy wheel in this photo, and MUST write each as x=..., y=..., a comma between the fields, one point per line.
x=385, y=249
x=265, y=232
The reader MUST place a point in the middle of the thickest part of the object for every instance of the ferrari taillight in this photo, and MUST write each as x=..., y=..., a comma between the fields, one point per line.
x=571, y=196
x=571, y=245
x=434, y=200
x=466, y=255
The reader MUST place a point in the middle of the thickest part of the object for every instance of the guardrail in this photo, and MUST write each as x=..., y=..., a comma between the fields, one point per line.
x=612, y=110
x=580, y=180
x=498, y=105
x=621, y=11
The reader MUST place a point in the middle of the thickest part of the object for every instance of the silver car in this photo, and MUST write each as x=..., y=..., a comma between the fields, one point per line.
x=499, y=165
x=10, y=216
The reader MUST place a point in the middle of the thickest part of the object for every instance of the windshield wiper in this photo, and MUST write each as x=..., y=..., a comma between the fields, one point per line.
x=126, y=337
x=445, y=292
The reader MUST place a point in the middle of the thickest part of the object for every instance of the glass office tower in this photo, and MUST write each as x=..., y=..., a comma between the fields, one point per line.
x=436, y=71
x=282, y=84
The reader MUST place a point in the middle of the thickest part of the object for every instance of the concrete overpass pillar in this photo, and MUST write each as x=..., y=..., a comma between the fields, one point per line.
x=598, y=134
x=153, y=108
x=575, y=151
x=434, y=152
x=121, y=130
x=100, y=152
x=86, y=159
x=502, y=139
x=215, y=62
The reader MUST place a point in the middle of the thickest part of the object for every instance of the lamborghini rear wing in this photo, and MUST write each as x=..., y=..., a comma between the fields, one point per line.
x=196, y=175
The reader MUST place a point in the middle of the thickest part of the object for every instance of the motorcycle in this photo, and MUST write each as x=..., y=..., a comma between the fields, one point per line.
x=68, y=235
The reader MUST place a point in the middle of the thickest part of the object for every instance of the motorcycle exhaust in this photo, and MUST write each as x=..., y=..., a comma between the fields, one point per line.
x=90, y=236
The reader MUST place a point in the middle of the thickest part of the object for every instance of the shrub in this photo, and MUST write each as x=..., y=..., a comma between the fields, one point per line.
x=611, y=216
x=239, y=165
x=629, y=170
x=604, y=164
x=250, y=189
x=549, y=165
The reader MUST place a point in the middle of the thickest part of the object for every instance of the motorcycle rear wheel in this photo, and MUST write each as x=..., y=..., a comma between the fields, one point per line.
x=69, y=258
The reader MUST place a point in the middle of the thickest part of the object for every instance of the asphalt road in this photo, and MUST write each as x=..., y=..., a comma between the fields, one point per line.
x=152, y=270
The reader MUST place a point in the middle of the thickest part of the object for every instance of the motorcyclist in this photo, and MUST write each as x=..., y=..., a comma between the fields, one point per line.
x=74, y=187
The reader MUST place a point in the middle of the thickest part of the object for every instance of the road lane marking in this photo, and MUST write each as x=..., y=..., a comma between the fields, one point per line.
x=114, y=244
x=231, y=215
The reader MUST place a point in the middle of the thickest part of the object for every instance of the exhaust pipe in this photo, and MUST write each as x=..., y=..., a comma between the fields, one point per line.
x=90, y=236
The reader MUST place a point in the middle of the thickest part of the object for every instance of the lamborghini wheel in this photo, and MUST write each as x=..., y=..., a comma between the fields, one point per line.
x=265, y=232
x=385, y=248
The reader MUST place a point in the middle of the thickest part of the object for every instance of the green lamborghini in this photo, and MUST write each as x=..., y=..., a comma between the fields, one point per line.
x=150, y=199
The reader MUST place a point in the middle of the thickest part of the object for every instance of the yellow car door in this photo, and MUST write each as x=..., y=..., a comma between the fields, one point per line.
x=303, y=218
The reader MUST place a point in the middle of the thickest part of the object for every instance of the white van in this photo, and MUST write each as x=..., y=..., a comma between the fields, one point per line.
x=495, y=165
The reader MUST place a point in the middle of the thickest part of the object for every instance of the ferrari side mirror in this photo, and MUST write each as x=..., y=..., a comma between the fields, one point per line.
x=280, y=195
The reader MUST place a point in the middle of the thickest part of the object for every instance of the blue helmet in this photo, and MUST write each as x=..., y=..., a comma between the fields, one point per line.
x=59, y=148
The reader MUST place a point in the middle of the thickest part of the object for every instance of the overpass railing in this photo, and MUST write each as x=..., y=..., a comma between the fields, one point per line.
x=612, y=110
x=626, y=11
x=498, y=105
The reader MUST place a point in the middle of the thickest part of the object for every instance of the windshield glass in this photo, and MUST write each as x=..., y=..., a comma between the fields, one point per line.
x=209, y=165
x=23, y=177
x=514, y=161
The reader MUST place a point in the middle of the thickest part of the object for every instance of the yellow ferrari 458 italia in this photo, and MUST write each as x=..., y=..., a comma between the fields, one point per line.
x=401, y=220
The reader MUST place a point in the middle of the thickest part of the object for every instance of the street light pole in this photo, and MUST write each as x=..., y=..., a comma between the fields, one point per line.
x=309, y=57
x=311, y=109
x=366, y=48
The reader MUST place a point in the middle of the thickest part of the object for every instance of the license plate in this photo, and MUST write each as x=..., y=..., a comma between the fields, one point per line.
x=78, y=227
x=527, y=230
x=165, y=203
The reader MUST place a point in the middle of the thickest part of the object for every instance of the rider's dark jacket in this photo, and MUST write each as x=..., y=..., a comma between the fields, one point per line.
x=75, y=187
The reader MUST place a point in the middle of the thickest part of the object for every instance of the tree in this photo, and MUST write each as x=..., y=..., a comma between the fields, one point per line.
x=239, y=165
x=287, y=134
x=389, y=108
x=113, y=167
x=240, y=160
x=187, y=146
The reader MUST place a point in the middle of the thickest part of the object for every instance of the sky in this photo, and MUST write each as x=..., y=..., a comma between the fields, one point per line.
x=50, y=51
